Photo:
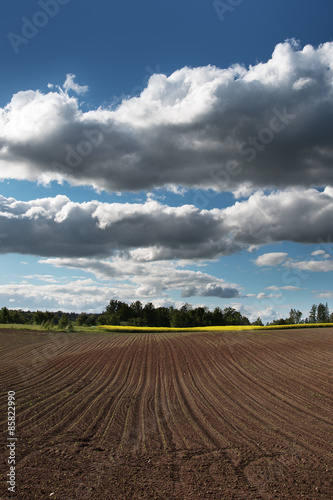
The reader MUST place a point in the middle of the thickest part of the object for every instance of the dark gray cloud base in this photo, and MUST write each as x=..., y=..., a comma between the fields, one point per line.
x=271, y=122
x=58, y=227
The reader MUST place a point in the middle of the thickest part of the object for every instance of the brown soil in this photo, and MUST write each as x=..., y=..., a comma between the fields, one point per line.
x=227, y=415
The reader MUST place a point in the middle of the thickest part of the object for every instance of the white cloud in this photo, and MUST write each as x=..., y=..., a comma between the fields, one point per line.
x=41, y=277
x=319, y=266
x=58, y=227
x=302, y=83
x=232, y=129
x=210, y=290
x=270, y=296
x=287, y=287
x=79, y=295
x=324, y=294
x=302, y=216
x=151, y=279
x=71, y=85
x=320, y=253
x=253, y=312
x=271, y=259
x=75, y=295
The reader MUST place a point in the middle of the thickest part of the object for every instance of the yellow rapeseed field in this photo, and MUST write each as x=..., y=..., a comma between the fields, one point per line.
x=134, y=329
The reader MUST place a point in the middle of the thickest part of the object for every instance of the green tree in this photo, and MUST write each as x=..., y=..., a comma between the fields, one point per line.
x=323, y=314
x=162, y=316
x=70, y=327
x=218, y=317
x=17, y=317
x=103, y=319
x=4, y=315
x=39, y=317
x=149, y=314
x=63, y=322
x=82, y=319
x=91, y=321
x=295, y=316
x=136, y=309
x=313, y=314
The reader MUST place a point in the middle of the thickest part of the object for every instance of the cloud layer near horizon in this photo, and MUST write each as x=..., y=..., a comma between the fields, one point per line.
x=151, y=231
x=233, y=129
x=150, y=279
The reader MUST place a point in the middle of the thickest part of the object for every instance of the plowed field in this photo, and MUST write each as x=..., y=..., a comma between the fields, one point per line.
x=225, y=415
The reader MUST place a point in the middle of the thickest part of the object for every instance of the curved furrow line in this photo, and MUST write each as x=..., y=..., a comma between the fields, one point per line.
x=70, y=401
x=124, y=383
x=275, y=393
x=289, y=417
x=17, y=348
x=275, y=379
x=302, y=366
x=268, y=388
x=152, y=391
x=143, y=408
x=131, y=428
x=103, y=400
x=291, y=398
x=189, y=405
x=101, y=397
x=240, y=402
x=146, y=424
x=295, y=353
x=177, y=431
x=27, y=408
x=294, y=357
x=44, y=378
x=171, y=401
x=210, y=391
x=157, y=396
x=34, y=369
x=46, y=348
x=60, y=375
x=54, y=376
x=74, y=409
x=152, y=440
x=187, y=418
x=174, y=437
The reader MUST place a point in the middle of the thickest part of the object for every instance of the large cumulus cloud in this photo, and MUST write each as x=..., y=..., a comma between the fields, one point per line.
x=60, y=227
x=238, y=128
x=151, y=231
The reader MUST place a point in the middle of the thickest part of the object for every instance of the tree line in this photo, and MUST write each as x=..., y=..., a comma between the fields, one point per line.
x=135, y=314
x=318, y=314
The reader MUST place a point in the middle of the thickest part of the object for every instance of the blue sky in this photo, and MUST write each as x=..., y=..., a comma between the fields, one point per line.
x=168, y=152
